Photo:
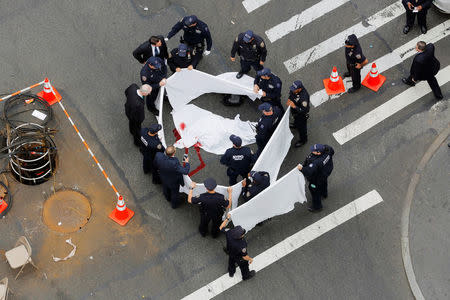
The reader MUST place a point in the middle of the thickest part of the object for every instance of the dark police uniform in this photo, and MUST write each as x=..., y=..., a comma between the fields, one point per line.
x=150, y=146
x=134, y=110
x=251, y=53
x=300, y=112
x=145, y=51
x=171, y=173
x=316, y=169
x=353, y=56
x=176, y=61
x=421, y=15
x=272, y=87
x=194, y=37
x=266, y=127
x=424, y=67
x=153, y=77
x=255, y=184
x=236, y=249
x=212, y=207
x=238, y=161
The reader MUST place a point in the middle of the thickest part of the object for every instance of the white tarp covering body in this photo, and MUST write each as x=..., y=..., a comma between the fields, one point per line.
x=279, y=198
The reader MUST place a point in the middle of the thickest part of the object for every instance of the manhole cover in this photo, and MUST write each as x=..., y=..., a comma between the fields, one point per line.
x=66, y=211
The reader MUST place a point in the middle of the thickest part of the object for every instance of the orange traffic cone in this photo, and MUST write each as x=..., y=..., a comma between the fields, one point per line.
x=121, y=214
x=374, y=80
x=3, y=205
x=334, y=84
x=49, y=94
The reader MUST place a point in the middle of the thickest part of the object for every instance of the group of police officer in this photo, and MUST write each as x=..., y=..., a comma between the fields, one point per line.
x=167, y=170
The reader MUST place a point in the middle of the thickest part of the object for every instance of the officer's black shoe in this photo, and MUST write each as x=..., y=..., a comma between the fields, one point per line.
x=250, y=275
x=406, y=29
x=346, y=74
x=352, y=90
x=239, y=75
x=231, y=274
x=314, y=210
x=423, y=29
x=299, y=144
x=439, y=97
x=408, y=82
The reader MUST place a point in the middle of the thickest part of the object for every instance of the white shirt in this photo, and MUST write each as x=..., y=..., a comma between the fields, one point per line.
x=153, y=50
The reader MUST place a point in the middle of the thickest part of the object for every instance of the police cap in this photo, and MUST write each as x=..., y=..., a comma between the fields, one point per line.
x=296, y=85
x=264, y=72
x=237, y=141
x=210, y=184
x=154, y=128
x=155, y=62
x=248, y=35
x=265, y=107
x=189, y=20
x=317, y=147
x=237, y=232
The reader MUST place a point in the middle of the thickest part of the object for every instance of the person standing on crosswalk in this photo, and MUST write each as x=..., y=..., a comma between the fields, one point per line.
x=355, y=61
x=270, y=85
x=413, y=8
x=266, y=125
x=252, y=51
x=425, y=66
x=299, y=102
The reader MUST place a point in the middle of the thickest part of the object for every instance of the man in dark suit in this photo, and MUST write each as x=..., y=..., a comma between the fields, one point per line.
x=171, y=173
x=155, y=46
x=424, y=67
x=134, y=109
x=413, y=8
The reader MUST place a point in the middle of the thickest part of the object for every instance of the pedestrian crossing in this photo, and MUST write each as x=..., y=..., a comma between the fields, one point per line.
x=324, y=9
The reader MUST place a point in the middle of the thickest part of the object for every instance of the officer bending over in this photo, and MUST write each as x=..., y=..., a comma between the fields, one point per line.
x=180, y=58
x=255, y=183
x=270, y=85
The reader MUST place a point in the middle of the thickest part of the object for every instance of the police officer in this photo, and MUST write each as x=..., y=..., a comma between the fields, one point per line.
x=134, y=109
x=355, y=61
x=195, y=34
x=317, y=167
x=151, y=144
x=424, y=67
x=255, y=183
x=212, y=206
x=171, y=173
x=155, y=46
x=413, y=8
x=299, y=102
x=154, y=73
x=180, y=58
x=237, y=250
x=238, y=159
x=266, y=125
x=252, y=51
x=270, y=85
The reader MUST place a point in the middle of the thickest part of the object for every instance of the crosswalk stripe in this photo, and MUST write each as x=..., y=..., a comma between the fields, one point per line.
x=390, y=60
x=305, y=17
x=251, y=5
x=388, y=108
x=337, y=41
x=291, y=244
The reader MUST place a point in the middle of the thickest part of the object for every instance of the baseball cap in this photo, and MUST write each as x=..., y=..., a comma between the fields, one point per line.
x=296, y=85
x=265, y=107
x=248, y=36
x=237, y=141
x=154, y=61
x=264, y=72
x=237, y=232
x=317, y=147
x=210, y=183
x=182, y=50
x=189, y=20
x=154, y=128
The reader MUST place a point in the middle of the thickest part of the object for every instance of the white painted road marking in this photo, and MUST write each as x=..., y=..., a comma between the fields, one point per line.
x=337, y=41
x=305, y=17
x=291, y=244
x=389, y=60
x=388, y=108
x=251, y=5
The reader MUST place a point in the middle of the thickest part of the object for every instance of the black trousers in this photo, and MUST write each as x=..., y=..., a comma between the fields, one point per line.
x=421, y=17
x=300, y=123
x=261, y=143
x=433, y=83
x=197, y=51
x=246, y=66
x=356, y=76
x=150, y=99
x=148, y=167
x=316, y=193
x=204, y=222
x=172, y=195
x=233, y=175
x=243, y=265
x=135, y=129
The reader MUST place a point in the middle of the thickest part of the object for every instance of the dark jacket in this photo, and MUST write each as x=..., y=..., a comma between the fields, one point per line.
x=193, y=35
x=426, y=4
x=145, y=51
x=354, y=55
x=176, y=61
x=271, y=86
x=252, y=51
x=170, y=170
x=134, y=106
x=425, y=65
x=301, y=101
x=238, y=160
x=317, y=168
x=153, y=76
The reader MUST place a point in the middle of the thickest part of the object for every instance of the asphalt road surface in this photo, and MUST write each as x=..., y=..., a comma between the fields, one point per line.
x=85, y=48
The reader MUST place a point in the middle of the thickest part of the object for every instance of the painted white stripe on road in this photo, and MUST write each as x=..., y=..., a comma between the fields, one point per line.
x=388, y=108
x=337, y=41
x=305, y=17
x=291, y=244
x=251, y=5
x=389, y=60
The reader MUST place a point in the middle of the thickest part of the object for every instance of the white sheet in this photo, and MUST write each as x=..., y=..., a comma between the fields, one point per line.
x=279, y=198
